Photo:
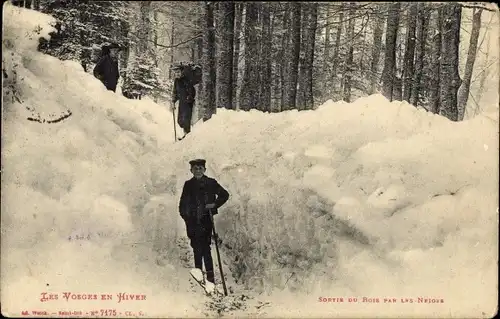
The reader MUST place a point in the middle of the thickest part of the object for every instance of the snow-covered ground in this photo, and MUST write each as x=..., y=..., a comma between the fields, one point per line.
x=366, y=199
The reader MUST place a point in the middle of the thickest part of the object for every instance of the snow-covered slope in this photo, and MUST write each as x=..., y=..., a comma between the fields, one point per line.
x=367, y=199
x=75, y=193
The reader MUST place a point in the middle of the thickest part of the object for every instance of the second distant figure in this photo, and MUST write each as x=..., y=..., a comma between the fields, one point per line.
x=106, y=70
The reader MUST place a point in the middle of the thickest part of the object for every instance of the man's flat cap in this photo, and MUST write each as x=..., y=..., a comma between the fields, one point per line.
x=199, y=161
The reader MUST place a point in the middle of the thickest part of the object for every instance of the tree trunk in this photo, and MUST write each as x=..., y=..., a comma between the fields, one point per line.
x=388, y=74
x=313, y=24
x=327, y=49
x=144, y=31
x=266, y=54
x=285, y=41
x=292, y=59
x=423, y=24
x=225, y=65
x=434, y=99
x=377, y=47
x=409, y=66
x=155, y=55
x=397, y=89
x=463, y=93
x=36, y=5
x=275, y=64
x=327, y=33
x=349, y=68
x=172, y=37
x=195, y=52
x=201, y=27
x=155, y=36
x=200, y=22
x=125, y=54
x=362, y=54
x=301, y=80
x=450, y=79
x=85, y=54
x=209, y=71
x=250, y=87
x=237, y=34
x=258, y=67
x=336, y=51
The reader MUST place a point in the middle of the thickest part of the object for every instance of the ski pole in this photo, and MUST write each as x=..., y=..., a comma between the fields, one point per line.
x=172, y=107
x=218, y=255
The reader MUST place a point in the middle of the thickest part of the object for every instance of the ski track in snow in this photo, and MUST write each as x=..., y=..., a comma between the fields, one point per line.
x=236, y=303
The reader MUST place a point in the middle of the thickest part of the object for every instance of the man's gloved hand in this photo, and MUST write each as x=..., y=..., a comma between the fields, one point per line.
x=210, y=206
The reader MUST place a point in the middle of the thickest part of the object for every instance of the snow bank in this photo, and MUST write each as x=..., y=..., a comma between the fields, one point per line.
x=368, y=199
x=80, y=207
x=364, y=199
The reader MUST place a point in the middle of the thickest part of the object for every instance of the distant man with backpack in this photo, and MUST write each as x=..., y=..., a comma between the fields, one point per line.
x=184, y=92
x=106, y=69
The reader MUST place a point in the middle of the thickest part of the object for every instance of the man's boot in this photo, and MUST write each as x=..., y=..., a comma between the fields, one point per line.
x=209, y=264
x=210, y=276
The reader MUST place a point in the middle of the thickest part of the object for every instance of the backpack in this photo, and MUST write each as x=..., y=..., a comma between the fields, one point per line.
x=191, y=71
x=196, y=74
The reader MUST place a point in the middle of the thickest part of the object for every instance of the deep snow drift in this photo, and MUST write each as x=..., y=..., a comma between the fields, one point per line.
x=368, y=199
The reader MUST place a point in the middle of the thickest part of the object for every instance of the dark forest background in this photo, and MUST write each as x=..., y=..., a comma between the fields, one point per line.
x=277, y=56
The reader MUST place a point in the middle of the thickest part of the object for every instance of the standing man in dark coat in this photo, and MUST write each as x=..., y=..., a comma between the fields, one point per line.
x=185, y=93
x=200, y=196
x=106, y=70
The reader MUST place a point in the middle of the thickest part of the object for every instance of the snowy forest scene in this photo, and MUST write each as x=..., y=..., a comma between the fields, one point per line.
x=198, y=159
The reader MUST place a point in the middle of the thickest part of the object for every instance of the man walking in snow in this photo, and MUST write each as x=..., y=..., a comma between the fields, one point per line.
x=201, y=197
x=106, y=70
x=184, y=92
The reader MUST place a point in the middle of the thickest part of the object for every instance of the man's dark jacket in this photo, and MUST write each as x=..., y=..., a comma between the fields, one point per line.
x=196, y=194
x=185, y=93
x=106, y=70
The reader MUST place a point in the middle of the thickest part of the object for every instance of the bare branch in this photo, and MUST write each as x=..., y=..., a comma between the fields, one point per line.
x=477, y=5
x=59, y=119
x=174, y=45
x=362, y=15
x=333, y=13
x=356, y=35
x=486, y=31
x=485, y=69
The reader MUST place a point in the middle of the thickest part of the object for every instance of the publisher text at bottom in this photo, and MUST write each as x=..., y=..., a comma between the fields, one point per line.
x=78, y=313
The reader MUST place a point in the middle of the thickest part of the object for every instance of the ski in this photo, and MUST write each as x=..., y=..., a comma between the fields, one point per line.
x=198, y=277
x=209, y=288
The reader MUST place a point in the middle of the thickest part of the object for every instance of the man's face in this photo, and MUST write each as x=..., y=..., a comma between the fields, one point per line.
x=198, y=171
x=113, y=53
x=177, y=73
